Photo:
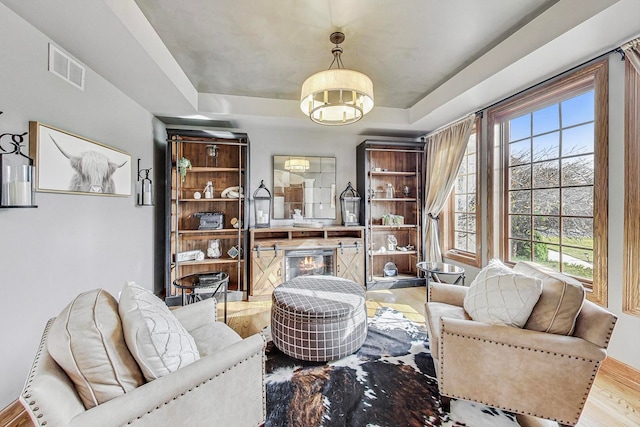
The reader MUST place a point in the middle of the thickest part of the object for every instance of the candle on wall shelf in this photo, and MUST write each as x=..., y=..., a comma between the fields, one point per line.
x=145, y=190
x=16, y=174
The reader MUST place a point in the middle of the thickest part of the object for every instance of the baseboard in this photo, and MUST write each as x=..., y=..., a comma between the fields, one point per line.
x=14, y=415
x=622, y=373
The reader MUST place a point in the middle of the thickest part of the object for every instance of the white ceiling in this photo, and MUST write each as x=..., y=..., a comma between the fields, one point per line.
x=243, y=61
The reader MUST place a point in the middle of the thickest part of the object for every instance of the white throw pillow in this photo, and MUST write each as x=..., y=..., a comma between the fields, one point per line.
x=156, y=339
x=87, y=341
x=501, y=296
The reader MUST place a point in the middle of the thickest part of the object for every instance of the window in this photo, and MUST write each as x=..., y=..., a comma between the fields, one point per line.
x=552, y=205
x=462, y=219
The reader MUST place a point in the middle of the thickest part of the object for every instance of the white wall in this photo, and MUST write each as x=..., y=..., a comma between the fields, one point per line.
x=70, y=243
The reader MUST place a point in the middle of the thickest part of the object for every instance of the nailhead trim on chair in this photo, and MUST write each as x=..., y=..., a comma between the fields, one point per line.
x=584, y=398
x=27, y=391
x=262, y=355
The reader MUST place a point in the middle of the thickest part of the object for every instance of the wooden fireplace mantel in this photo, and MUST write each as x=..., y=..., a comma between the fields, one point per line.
x=268, y=246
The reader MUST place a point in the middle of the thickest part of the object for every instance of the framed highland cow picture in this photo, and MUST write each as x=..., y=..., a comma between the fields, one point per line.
x=68, y=163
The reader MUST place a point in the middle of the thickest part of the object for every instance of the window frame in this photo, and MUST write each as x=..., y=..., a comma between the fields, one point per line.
x=593, y=75
x=631, y=267
x=447, y=233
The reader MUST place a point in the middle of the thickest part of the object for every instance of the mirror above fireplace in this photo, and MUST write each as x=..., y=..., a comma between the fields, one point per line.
x=307, y=183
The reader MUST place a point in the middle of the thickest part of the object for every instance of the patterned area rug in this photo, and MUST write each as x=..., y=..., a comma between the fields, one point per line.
x=390, y=381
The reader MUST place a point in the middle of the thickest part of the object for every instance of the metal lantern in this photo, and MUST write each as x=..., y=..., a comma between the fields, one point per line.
x=350, y=205
x=17, y=177
x=262, y=206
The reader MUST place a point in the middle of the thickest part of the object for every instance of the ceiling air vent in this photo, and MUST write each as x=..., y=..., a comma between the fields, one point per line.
x=65, y=67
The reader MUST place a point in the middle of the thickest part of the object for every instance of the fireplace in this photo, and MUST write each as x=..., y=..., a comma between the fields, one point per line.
x=308, y=262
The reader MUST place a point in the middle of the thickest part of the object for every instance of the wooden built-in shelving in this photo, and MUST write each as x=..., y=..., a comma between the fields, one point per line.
x=400, y=164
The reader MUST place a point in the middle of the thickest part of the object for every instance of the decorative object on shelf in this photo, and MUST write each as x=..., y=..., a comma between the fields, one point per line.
x=213, y=249
x=392, y=242
x=391, y=219
x=390, y=270
x=337, y=96
x=350, y=205
x=308, y=224
x=262, y=206
x=195, y=255
x=233, y=252
x=406, y=190
x=232, y=193
x=16, y=174
x=208, y=190
x=67, y=163
x=212, y=153
x=389, y=192
x=235, y=223
x=295, y=164
x=183, y=165
x=197, y=195
x=210, y=220
x=145, y=187
x=297, y=216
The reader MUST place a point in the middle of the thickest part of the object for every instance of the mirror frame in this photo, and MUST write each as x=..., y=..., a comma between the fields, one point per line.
x=291, y=188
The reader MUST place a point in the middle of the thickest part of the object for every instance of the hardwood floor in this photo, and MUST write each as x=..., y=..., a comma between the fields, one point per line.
x=611, y=403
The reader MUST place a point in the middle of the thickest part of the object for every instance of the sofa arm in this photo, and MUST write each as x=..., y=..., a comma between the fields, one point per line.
x=225, y=388
x=198, y=314
x=448, y=294
x=516, y=369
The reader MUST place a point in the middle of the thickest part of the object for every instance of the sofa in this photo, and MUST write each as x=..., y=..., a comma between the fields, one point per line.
x=112, y=363
x=542, y=366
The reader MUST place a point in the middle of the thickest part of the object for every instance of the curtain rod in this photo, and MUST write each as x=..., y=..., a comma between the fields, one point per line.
x=443, y=127
x=603, y=55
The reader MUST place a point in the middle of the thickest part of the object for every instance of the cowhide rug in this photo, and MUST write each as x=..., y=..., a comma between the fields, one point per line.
x=390, y=381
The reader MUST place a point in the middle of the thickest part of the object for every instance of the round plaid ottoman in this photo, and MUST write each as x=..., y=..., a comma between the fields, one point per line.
x=318, y=318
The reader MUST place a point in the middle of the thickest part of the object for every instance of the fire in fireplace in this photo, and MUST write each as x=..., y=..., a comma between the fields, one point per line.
x=308, y=262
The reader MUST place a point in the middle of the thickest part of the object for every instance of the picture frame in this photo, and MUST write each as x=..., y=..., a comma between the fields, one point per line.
x=72, y=164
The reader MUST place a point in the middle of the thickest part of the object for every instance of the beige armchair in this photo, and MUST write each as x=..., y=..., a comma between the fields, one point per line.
x=223, y=387
x=539, y=374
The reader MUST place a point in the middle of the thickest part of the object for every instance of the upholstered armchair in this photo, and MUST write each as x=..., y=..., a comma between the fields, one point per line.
x=223, y=387
x=521, y=370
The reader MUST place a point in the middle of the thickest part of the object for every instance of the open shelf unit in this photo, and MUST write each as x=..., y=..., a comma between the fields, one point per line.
x=399, y=163
x=226, y=169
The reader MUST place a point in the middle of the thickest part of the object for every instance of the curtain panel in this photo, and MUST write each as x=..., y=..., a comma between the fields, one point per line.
x=632, y=53
x=444, y=152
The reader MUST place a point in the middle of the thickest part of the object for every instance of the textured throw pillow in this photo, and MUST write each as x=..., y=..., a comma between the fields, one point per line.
x=560, y=303
x=86, y=341
x=157, y=340
x=500, y=296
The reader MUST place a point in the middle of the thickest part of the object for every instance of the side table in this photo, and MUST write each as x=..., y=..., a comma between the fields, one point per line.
x=203, y=283
x=433, y=270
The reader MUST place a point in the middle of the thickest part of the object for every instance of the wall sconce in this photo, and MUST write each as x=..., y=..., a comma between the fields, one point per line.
x=350, y=206
x=16, y=174
x=145, y=187
x=262, y=206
